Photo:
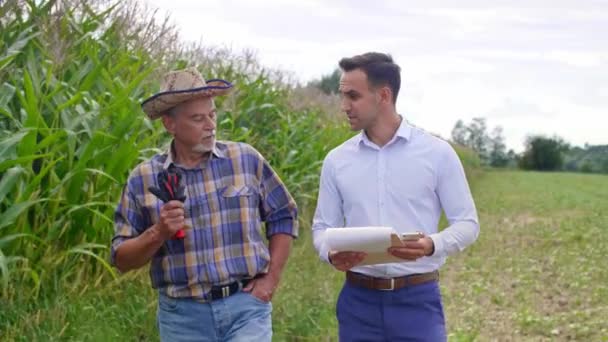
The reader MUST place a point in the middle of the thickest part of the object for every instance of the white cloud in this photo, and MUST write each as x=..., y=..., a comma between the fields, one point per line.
x=578, y=59
x=530, y=66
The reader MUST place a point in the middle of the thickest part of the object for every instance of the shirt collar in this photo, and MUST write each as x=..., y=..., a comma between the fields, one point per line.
x=217, y=152
x=404, y=131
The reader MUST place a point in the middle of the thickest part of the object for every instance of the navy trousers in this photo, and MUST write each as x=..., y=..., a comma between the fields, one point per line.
x=413, y=313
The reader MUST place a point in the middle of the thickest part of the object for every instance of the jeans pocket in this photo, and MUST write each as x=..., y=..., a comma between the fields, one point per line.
x=256, y=299
x=166, y=303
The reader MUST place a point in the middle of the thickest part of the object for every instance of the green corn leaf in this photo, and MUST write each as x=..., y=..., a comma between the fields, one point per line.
x=16, y=48
x=8, y=217
x=7, y=239
x=9, y=179
x=8, y=145
x=84, y=249
x=21, y=161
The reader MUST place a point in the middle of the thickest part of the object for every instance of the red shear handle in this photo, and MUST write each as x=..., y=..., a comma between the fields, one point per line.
x=179, y=234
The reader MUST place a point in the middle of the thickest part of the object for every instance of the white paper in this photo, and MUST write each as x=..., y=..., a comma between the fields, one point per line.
x=359, y=239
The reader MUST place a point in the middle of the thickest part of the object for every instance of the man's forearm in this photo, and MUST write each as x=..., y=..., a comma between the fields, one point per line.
x=280, y=246
x=136, y=252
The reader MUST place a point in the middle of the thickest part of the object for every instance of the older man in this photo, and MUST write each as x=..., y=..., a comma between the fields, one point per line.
x=214, y=274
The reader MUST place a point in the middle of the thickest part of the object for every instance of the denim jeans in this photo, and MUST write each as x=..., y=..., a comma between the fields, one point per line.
x=240, y=317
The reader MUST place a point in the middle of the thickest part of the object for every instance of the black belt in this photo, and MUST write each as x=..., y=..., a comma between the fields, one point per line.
x=223, y=291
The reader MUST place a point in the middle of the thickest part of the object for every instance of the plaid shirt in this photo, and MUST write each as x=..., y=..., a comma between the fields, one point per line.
x=228, y=197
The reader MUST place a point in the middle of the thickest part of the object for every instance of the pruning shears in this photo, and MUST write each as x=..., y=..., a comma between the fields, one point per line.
x=170, y=189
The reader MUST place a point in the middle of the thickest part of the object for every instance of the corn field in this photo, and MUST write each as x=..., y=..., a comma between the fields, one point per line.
x=71, y=129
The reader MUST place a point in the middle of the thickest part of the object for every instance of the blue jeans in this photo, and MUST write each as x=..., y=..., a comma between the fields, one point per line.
x=240, y=317
x=413, y=313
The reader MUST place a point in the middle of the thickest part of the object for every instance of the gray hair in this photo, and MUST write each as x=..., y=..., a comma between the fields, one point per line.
x=172, y=112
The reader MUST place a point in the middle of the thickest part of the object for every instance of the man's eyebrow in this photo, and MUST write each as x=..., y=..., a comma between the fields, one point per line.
x=201, y=113
x=350, y=92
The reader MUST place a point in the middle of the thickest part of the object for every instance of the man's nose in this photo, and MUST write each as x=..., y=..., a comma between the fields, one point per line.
x=345, y=106
x=209, y=125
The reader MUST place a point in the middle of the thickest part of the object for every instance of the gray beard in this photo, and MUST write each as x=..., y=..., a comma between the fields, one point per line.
x=204, y=148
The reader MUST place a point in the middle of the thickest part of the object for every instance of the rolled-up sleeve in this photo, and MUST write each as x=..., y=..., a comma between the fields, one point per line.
x=278, y=208
x=128, y=220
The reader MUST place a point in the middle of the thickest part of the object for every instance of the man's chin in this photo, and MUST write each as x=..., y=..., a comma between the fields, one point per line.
x=355, y=127
x=204, y=148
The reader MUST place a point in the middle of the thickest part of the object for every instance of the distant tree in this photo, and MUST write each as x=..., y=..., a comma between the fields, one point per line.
x=590, y=158
x=491, y=148
x=511, y=154
x=604, y=166
x=460, y=133
x=497, y=149
x=586, y=167
x=571, y=165
x=478, y=138
x=513, y=158
x=328, y=84
x=543, y=153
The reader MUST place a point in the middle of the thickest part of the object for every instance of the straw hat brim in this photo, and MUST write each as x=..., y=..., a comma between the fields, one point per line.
x=158, y=104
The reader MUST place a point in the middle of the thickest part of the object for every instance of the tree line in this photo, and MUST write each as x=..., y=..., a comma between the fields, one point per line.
x=541, y=152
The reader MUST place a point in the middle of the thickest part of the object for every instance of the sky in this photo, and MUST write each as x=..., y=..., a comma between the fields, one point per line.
x=531, y=67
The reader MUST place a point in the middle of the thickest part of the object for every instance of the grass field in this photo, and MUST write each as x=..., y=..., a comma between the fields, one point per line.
x=537, y=273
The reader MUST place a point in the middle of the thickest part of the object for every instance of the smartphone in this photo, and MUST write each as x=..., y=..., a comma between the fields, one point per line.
x=411, y=236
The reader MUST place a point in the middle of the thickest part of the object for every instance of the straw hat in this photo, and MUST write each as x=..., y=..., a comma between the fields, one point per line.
x=181, y=86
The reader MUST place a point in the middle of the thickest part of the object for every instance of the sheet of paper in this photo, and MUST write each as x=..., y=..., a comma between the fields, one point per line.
x=359, y=239
x=372, y=240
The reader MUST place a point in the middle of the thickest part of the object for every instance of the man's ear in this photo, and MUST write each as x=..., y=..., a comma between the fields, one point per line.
x=386, y=95
x=169, y=123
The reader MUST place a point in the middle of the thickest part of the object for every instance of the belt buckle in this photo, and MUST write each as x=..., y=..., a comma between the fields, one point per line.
x=392, y=286
x=225, y=291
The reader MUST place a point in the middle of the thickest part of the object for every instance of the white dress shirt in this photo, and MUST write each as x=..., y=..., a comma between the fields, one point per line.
x=405, y=185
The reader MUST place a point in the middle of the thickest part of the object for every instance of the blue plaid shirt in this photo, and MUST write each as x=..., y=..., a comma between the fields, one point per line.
x=228, y=197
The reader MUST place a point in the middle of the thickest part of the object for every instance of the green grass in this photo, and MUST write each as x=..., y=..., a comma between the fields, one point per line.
x=120, y=311
x=538, y=270
x=537, y=273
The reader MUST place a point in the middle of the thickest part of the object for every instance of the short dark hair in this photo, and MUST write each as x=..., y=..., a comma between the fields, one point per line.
x=379, y=67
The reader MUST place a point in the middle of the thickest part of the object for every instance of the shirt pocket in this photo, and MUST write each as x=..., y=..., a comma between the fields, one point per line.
x=235, y=191
x=239, y=196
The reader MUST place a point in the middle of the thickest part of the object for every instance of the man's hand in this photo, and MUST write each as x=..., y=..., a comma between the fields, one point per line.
x=136, y=252
x=171, y=219
x=344, y=261
x=262, y=287
x=413, y=250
